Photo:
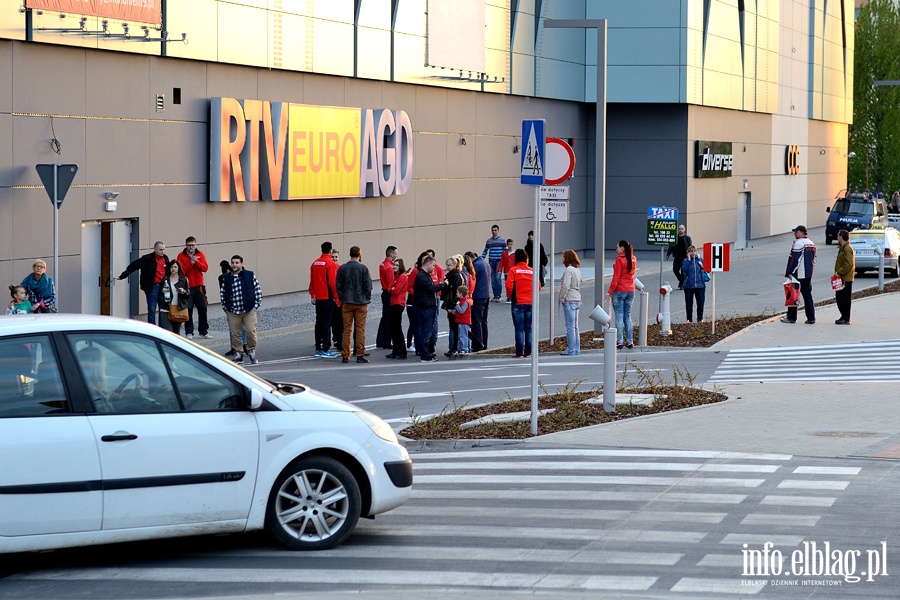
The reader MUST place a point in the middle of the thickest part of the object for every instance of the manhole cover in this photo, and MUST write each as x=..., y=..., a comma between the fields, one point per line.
x=845, y=434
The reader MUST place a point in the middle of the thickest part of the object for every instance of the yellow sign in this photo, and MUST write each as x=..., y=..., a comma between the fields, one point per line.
x=324, y=151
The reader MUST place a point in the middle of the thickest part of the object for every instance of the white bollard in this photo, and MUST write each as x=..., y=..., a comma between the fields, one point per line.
x=664, y=318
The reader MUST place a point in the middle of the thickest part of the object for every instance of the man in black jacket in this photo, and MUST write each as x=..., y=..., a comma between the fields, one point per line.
x=153, y=271
x=529, y=250
x=679, y=253
x=425, y=305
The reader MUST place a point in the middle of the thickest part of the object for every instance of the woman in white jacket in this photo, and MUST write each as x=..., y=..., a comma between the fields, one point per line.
x=570, y=297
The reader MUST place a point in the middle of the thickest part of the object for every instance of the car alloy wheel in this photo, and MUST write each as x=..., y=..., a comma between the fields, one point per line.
x=314, y=504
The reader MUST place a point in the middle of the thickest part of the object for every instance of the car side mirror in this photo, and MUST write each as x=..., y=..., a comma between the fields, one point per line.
x=828, y=209
x=256, y=399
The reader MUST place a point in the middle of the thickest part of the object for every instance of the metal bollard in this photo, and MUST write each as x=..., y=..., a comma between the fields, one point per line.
x=609, y=370
x=601, y=317
x=643, y=312
x=664, y=318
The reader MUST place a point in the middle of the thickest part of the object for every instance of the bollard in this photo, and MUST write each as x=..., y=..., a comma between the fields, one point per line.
x=880, y=249
x=643, y=312
x=609, y=370
x=601, y=317
x=664, y=318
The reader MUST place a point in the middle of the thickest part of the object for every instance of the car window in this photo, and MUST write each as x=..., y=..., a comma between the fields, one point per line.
x=124, y=373
x=30, y=383
x=199, y=386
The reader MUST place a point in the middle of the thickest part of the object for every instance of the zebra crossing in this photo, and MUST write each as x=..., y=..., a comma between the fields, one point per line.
x=581, y=521
x=855, y=362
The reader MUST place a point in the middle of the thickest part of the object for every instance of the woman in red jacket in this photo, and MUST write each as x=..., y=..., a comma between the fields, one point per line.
x=621, y=292
x=398, y=303
x=518, y=289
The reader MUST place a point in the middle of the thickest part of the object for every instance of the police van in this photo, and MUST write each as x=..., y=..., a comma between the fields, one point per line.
x=855, y=210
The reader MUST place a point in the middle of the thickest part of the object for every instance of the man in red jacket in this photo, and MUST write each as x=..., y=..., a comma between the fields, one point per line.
x=322, y=291
x=519, y=287
x=193, y=265
x=386, y=275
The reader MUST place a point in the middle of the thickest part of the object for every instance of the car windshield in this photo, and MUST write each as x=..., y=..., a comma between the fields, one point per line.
x=849, y=207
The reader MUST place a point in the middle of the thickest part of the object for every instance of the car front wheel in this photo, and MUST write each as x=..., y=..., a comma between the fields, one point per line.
x=314, y=504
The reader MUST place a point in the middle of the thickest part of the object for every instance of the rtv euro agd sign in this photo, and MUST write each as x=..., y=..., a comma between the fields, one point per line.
x=262, y=150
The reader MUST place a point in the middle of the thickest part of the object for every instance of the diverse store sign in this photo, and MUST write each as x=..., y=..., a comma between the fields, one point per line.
x=262, y=150
x=142, y=11
x=713, y=159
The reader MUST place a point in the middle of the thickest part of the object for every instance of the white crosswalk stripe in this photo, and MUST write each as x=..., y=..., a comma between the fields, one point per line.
x=859, y=362
x=535, y=520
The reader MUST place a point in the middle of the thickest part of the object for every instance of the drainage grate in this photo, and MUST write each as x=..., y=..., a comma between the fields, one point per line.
x=845, y=434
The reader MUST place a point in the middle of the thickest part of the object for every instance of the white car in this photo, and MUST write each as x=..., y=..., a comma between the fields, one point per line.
x=868, y=243
x=114, y=430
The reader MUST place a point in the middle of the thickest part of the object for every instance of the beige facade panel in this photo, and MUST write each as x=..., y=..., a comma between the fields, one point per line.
x=268, y=267
x=282, y=219
x=400, y=211
x=107, y=94
x=38, y=70
x=461, y=158
x=116, y=151
x=431, y=202
x=32, y=135
x=6, y=158
x=6, y=57
x=178, y=152
x=489, y=202
x=189, y=77
x=326, y=216
x=362, y=214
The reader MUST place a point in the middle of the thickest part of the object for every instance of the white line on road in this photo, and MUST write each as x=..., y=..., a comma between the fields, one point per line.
x=393, y=383
x=617, y=496
x=698, y=454
x=588, y=480
x=595, y=466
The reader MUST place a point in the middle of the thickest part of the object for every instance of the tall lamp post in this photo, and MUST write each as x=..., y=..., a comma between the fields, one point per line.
x=600, y=153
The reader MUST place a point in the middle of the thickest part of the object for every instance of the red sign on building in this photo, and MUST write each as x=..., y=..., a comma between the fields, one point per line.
x=142, y=11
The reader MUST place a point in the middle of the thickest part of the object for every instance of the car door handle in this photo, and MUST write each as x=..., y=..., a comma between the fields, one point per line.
x=118, y=437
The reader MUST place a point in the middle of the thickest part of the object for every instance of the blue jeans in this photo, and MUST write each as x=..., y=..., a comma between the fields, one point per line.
x=496, y=284
x=424, y=323
x=622, y=306
x=152, y=304
x=521, y=316
x=573, y=336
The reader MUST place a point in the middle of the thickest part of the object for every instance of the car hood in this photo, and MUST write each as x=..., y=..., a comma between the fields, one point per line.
x=314, y=400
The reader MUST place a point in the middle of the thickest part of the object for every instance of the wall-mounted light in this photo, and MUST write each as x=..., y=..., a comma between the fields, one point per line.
x=516, y=149
x=746, y=183
x=462, y=141
x=111, y=195
x=822, y=151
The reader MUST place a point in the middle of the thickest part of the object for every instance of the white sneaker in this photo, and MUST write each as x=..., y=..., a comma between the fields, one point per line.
x=206, y=336
x=190, y=336
x=253, y=359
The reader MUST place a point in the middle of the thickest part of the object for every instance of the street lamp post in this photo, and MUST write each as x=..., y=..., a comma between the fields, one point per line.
x=600, y=153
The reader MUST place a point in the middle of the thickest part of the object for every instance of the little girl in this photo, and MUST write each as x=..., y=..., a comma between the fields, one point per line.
x=20, y=304
x=463, y=319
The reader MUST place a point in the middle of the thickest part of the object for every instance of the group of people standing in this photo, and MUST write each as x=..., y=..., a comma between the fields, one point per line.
x=174, y=288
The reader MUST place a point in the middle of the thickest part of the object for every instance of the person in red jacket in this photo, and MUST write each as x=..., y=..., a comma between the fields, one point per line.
x=398, y=303
x=386, y=275
x=193, y=265
x=507, y=263
x=323, y=293
x=518, y=288
x=621, y=292
x=463, y=311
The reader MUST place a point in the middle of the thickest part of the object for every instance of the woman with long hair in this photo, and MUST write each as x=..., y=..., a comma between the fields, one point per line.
x=453, y=277
x=398, y=303
x=173, y=291
x=621, y=292
x=570, y=298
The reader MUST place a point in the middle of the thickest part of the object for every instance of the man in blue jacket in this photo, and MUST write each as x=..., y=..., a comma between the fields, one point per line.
x=494, y=248
x=481, y=302
x=241, y=296
x=800, y=265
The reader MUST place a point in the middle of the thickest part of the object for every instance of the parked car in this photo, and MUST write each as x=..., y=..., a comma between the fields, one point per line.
x=867, y=244
x=856, y=210
x=114, y=430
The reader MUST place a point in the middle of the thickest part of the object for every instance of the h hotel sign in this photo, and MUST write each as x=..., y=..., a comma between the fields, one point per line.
x=262, y=150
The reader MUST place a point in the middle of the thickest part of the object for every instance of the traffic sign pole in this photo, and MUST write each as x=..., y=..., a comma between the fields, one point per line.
x=56, y=229
x=535, y=296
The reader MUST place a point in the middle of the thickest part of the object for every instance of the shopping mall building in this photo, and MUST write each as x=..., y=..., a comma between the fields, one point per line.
x=265, y=127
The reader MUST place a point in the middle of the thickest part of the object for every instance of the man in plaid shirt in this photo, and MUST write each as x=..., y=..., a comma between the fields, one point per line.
x=241, y=296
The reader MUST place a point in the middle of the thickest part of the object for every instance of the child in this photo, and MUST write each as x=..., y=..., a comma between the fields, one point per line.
x=508, y=262
x=20, y=304
x=463, y=319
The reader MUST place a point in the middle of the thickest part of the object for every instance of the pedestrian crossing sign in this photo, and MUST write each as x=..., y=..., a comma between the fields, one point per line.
x=532, y=165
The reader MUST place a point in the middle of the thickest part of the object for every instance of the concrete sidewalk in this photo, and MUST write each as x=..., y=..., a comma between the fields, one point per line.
x=831, y=419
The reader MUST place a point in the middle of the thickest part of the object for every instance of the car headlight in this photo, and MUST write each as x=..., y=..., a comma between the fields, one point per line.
x=378, y=426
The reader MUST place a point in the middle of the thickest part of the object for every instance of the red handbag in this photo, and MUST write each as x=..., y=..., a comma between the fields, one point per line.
x=791, y=293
